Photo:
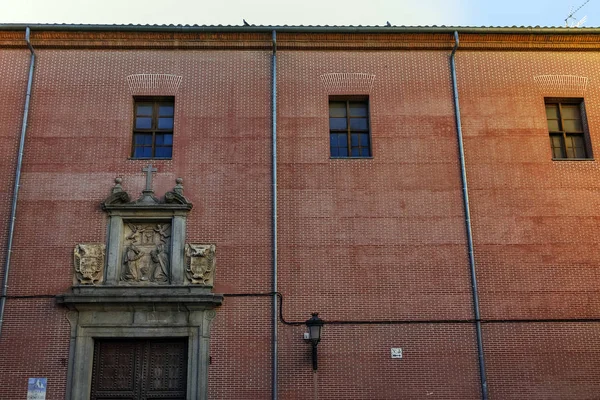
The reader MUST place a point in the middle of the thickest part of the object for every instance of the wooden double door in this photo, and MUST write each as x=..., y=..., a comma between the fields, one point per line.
x=140, y=369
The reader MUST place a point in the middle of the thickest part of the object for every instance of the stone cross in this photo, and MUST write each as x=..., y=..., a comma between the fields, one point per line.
x=149, y=170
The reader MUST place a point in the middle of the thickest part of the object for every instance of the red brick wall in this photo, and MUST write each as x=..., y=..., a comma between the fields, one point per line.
x=374, y=239
x=439, y=361
x=535, y=225
x=14, y=65
x=79, y=140
x=35, y=343
x=543, y=360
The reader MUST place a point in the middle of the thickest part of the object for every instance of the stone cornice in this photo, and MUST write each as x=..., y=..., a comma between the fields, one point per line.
x=128, y=297
x=498, y=40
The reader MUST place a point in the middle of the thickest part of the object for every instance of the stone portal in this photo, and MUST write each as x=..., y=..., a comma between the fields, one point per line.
x=141, y=304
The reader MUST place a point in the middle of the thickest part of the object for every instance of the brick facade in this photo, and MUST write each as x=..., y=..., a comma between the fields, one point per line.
x=374, y=239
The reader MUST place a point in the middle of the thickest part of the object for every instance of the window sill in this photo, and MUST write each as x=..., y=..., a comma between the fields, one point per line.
x=573, y=159
x=149, y=158
x=351, y=158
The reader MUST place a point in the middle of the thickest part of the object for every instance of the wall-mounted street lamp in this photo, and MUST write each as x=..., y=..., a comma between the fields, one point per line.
x=314, y=325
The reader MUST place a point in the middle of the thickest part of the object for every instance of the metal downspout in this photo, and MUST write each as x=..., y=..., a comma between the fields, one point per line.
x=463, y=171
x=274, y=167
x=13, y=210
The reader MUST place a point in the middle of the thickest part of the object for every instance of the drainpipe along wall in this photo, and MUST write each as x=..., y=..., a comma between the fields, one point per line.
x=13, y=211
x=274, y=228
x=461, y=155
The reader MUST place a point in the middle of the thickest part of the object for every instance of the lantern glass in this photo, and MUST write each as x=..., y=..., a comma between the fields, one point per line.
x=314, y=325
x=315, y=332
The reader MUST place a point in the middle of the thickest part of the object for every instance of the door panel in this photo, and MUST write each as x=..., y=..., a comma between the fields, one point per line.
x=139, y=369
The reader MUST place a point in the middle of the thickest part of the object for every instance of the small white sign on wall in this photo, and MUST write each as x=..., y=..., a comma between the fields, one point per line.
x=36, y=389
x=396, y=352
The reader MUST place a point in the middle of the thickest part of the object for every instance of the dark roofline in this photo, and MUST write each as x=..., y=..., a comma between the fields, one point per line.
x=301, y=29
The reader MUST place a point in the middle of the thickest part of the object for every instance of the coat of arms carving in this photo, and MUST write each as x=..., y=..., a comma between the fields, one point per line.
x=200, y=263
x=89, y=263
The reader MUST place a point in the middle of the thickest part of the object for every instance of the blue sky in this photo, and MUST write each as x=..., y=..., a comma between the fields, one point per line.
x=304, y=12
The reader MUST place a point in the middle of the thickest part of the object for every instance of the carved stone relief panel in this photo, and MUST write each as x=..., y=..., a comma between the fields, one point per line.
x=145, y=255
x=200, y=263
x=146, y=237
x=89, y=263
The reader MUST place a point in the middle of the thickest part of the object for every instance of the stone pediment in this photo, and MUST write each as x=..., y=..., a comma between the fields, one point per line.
x=173, y=200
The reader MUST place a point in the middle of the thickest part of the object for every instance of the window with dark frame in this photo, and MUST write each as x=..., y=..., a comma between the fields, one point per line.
x=566, y=128
x=153, y=128
x=349, y=134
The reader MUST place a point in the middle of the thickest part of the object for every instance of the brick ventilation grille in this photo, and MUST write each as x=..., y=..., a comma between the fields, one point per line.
x=154, y=84
x=561, y=85
x=337, y=83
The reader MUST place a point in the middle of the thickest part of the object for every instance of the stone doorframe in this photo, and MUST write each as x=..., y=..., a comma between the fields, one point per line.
x=142, y=314
x=104, y=305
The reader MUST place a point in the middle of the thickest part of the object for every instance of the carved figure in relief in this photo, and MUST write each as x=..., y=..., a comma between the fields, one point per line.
x=163, y=230
x=200, y=263
x=136, y=232
x=131, y=270
x=89, y=263
x=160, y=258
x=146, y=258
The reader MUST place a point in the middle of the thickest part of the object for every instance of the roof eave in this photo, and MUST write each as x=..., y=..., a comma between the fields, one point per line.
x=304, y=29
